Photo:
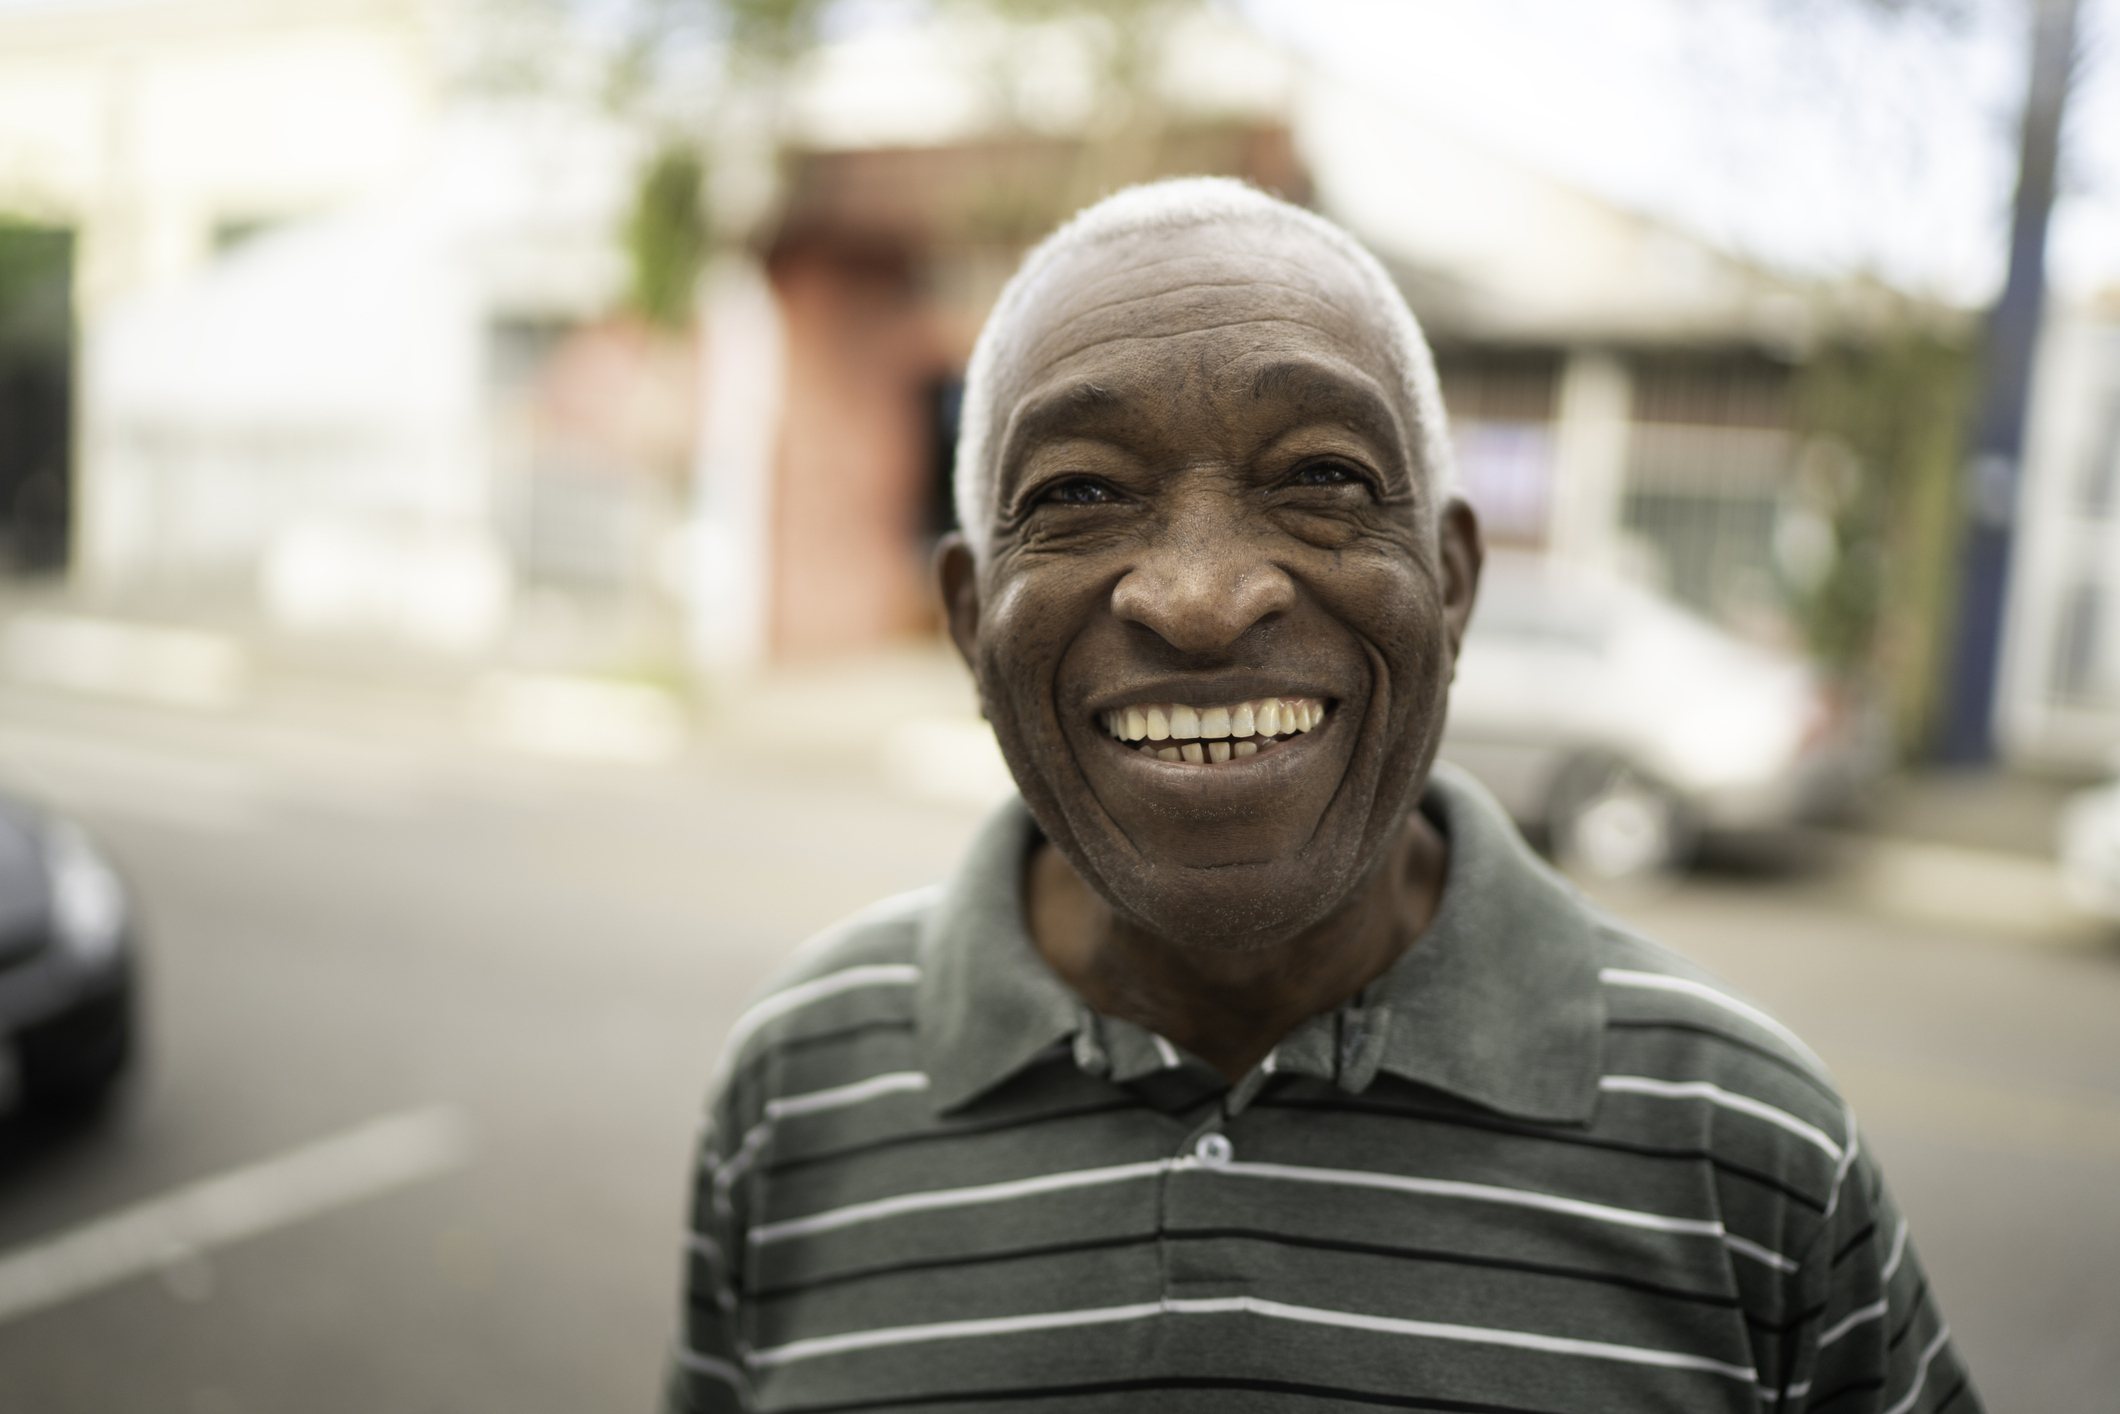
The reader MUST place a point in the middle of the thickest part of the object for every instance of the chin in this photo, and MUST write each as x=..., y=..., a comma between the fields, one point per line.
x=1222, y=913
x=1259, y=893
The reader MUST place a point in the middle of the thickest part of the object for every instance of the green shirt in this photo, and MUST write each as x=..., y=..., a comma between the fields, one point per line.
x=1539, y=1165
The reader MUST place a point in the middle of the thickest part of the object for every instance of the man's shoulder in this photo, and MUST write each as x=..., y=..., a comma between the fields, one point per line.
x=1671, y=1021
x=859, y=971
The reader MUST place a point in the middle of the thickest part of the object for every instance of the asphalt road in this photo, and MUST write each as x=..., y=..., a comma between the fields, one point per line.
x=541, y=958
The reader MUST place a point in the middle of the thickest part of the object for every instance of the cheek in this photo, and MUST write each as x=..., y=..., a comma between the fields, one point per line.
x=1023, y=633
x=1398, y=610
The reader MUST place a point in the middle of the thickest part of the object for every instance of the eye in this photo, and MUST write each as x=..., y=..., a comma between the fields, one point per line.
x=1078, y=491
x=1327, y=473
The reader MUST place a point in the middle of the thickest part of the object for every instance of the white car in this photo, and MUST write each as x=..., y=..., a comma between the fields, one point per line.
x=2090, y=850
x=1619, y=726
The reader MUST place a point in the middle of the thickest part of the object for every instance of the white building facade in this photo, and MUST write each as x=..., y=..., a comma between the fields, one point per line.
x=2058, y=698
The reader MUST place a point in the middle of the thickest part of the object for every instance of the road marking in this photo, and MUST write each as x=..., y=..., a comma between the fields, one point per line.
x=364, y=1162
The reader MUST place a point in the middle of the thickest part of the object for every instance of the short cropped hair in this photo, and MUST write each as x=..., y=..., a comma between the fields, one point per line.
x=1175, y=205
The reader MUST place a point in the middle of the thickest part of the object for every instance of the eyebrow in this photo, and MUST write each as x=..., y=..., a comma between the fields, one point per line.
x=1060, y=412
x=1357, y=400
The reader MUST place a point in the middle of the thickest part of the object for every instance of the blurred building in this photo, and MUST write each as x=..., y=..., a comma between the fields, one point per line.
x=2058, y=703
x=355, y=361
x=1619, y=388
x=884, y=262
x=326, y=296
x=138, y=141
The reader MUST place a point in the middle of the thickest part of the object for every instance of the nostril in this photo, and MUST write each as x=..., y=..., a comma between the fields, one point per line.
x=1203, y=608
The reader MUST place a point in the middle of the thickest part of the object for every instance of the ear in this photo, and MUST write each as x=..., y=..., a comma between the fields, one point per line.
x=957, y=579
x=1463, y=553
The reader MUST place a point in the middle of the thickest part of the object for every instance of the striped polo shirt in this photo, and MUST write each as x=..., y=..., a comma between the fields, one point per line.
x=1539, y=1165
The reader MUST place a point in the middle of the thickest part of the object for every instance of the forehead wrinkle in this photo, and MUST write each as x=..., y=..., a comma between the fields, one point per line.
x=1063, y=346
x=1119, y=340
x=1064, y=322
x=1255, y=251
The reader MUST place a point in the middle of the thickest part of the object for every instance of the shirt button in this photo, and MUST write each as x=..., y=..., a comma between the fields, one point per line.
x=1214, y=1150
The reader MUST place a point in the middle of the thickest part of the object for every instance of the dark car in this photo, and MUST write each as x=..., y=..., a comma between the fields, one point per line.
x=68, y=966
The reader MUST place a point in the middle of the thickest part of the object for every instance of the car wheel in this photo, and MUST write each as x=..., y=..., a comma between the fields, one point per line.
x=1609, y=823
x=71, y=1065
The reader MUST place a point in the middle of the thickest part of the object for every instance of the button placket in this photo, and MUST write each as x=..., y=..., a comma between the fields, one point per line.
x=1197, y=1187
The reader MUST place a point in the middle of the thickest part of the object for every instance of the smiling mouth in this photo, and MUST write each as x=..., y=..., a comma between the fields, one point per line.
x=1178, y=731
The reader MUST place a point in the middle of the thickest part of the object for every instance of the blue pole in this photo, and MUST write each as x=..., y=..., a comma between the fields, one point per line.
x=1990, y=490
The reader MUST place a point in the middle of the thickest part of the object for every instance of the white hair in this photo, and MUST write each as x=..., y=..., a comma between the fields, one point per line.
x=1175, y=205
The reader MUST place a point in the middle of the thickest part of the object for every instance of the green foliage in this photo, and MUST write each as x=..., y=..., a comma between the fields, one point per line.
x=666, y=236
x=1125, y=37
x=36, y=271
x=775, y=32
x=764, y=35
x=1886, y=418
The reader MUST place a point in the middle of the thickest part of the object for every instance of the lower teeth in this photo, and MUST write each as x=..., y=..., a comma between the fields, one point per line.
x=1215, y=751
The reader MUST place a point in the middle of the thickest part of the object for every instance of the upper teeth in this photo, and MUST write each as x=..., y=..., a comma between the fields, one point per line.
x=1166, y=721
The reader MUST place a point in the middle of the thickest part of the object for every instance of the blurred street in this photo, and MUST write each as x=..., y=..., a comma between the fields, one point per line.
x=346, y=927
x=344, y=930
x=470, y=478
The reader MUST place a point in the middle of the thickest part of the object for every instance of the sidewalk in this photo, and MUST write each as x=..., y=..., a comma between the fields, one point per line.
x=1973, y=849
x=906, y=715
x=1983, y=808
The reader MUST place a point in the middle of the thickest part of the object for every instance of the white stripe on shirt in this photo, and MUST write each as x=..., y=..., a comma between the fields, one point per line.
x=1663, y=982
x=1743, y=1104
x=836, y=1098
x=1899, y=1251
x=1921, y=1372
x=840, y=1096
x=932, y=1199
x=1847, y=1160
x=1480, y=1335
x=874, y=974
x=947, y=1330
x=1482, y=1192
x=1744, y=1247
x=1246, y=1305
x=721, y=1370
x=853, y=1213
x=1853, y=1319
x=739, y=1163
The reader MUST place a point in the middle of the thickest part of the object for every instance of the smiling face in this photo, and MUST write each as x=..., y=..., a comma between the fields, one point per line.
x=1216, y=620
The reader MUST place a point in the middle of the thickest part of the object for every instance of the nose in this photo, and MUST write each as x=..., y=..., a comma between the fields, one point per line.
x=1203, y=581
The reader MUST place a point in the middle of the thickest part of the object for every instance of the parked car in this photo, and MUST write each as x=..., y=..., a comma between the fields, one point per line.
x=2090, y=850
x=67, y=966
x=1620, y=727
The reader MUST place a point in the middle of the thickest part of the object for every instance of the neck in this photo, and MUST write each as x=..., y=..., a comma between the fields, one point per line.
x=1232, y=1007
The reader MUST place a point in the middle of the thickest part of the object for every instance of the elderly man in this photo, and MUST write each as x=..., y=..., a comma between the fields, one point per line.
x=1249, y=1061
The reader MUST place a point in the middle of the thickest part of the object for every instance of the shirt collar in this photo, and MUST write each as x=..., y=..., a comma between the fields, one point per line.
x=1497, y=1003
x=987, y=1003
